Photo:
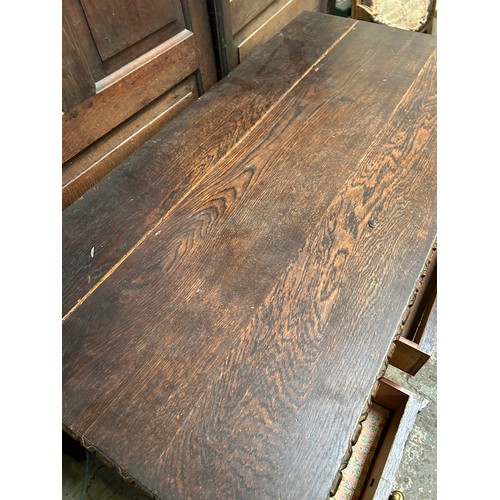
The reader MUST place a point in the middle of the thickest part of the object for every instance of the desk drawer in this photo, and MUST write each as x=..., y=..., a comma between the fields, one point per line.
x=414, y=346
x=378, y=450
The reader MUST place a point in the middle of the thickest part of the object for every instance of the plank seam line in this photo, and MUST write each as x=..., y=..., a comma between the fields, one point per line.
x=202, y=179
x=427, y=63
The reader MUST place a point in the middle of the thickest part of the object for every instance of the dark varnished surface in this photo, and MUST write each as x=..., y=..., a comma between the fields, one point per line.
x=115, y=215
x=231, y=353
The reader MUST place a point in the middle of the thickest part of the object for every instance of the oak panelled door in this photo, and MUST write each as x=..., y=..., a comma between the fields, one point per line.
x=128, y=68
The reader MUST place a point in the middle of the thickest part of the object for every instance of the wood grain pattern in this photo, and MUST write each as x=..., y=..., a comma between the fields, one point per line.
x=240, y=26
x=272, y=420
x=154, y=179
x=77, y=79
x=225, y=49
x=197, y=20
x=236, y=346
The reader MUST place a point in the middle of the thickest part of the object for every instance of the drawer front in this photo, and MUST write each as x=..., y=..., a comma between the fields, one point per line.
x=377, y=452
x=418, y=336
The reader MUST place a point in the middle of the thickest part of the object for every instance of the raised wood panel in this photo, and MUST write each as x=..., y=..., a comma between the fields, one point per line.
x=90, y=166
x=118, y=59
x=267, y=24
x=116, y=25
x=243, y=11
x=128, y=91
x=240, y=26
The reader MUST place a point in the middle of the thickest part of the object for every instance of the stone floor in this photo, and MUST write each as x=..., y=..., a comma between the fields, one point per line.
x=416, y=476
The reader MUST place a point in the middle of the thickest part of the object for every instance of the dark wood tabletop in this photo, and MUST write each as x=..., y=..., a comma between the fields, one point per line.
x=233, y=290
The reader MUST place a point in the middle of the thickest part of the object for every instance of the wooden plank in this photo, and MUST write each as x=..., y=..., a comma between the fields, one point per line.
x=278, y=415
x=256, y=21
x=265, y=26
x=155, y=178
x=253, y=381
x=198, y=21
x=96, y=116
x=89, y=167
x=242, y=12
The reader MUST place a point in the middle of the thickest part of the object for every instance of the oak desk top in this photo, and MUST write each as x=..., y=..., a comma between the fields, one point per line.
x=232, y=291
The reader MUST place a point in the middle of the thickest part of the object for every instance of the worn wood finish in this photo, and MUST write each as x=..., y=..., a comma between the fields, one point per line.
x=243, y=12
x=240, y=26
x=230, y=351
x=118, y=59
x=128, y=93
x=77, y=79
x=113, y=218
x=225, y=49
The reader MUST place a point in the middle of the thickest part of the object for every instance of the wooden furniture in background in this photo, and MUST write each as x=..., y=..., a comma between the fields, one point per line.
x=128, y=68
x=239, y=26
x=233, y=290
